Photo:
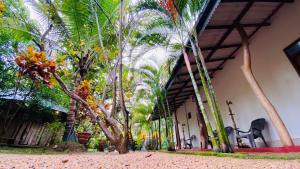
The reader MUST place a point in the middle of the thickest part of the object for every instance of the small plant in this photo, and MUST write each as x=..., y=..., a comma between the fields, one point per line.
x=84, y=126
x=57, y=128
x=171, y=146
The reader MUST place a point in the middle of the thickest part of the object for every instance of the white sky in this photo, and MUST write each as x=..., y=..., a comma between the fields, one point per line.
x=157, y=55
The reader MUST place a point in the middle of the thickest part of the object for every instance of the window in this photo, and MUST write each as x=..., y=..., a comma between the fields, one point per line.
x=293, y=53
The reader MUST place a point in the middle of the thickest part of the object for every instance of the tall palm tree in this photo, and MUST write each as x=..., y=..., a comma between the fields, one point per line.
x=179, y=16
x=76, y=22
x=152, y=78
x=77, y=35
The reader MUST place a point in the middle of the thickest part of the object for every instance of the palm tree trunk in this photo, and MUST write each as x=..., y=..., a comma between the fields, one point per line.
x=177, y=130
x=122, y=100
x=155, y=134
x=211, y=96
x=203, y=129
x=159, y=132
x=165, y=116
x=99, y=35
x=69, y=134
x=170, y=122
x=199, y=100
x=282, y=131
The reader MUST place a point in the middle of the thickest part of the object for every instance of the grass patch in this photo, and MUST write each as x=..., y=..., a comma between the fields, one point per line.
x=272, y=156
x=27, y=150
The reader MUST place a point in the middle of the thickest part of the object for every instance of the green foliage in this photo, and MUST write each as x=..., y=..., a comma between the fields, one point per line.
x=95, y=140
x=76, y=13
x=84, y=126
x=57, y=128
x=150, y=39
x=150, y=5
x=75, y=35
x=24, y=150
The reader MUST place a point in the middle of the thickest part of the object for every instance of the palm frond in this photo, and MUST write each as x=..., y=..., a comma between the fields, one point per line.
x=76, y=15
x=150, y=5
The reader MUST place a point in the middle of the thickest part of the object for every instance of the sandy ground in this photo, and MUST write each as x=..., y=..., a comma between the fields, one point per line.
x=137, y=160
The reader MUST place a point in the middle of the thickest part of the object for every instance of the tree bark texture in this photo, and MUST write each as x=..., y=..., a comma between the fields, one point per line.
x=281, y=129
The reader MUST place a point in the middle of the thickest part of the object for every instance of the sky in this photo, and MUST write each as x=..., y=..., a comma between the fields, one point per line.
x=156, y=57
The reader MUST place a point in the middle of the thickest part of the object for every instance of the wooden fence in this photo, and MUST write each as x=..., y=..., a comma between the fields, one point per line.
x=27, y=134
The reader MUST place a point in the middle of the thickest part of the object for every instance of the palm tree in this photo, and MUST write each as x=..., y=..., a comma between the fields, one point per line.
x=141, y=111
x=179, y=15
x=80, y=28
x=151, y=77
x=70, y=20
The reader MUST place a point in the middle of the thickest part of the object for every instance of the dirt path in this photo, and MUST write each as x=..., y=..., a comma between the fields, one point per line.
x=137, y=160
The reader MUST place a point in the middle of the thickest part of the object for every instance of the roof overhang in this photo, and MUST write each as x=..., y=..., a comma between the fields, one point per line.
x=219, y=40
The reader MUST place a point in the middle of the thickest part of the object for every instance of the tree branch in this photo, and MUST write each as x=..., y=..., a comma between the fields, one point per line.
x=85, y=104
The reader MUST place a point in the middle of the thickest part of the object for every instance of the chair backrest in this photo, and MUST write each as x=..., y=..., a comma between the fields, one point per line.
x=193, y=137
x=229, y=130
x=258, y=124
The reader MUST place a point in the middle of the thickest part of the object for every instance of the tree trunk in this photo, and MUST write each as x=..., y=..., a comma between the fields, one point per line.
x=211, y=97
x=122, y=100
x=159, y=100
x=69, y=134
x=177, y=131
x=159, y=132
x=99, y=35
x=282, y=131
x=122, y=147
x=114, y=135
x=199, y=101
x=170, y=121
x=203, y=129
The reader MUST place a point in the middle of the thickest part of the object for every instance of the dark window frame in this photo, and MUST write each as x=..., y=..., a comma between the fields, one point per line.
x=292, y=51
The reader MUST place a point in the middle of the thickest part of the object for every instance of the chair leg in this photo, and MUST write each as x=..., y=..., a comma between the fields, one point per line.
x=262, y=137
x=251, y=140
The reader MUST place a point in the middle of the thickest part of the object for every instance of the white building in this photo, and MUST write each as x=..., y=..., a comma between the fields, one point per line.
x=272, y=26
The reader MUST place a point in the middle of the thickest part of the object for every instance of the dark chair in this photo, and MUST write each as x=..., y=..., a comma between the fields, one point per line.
x=229, y=130
x=255, y=131
x=188, y=142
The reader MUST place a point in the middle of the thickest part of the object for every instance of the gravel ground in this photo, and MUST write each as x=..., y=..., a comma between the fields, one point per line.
x=136, y=160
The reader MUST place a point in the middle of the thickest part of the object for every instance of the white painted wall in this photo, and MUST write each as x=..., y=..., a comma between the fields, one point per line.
x=274, y=73
x=189, y=106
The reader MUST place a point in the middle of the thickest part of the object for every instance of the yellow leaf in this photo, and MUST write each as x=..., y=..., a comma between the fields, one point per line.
x=82, y=43
x=1, y=7
x=30, y=51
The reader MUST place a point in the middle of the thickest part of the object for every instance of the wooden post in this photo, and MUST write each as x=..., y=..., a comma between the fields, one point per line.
x=177, y=129
x=282, y=131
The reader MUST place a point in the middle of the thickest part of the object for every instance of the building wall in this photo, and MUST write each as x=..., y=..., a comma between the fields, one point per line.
x=274, y=73
x=182, y=111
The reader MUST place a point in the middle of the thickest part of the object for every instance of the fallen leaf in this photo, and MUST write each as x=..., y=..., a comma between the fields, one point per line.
x=148, y=155
x=64, y=161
